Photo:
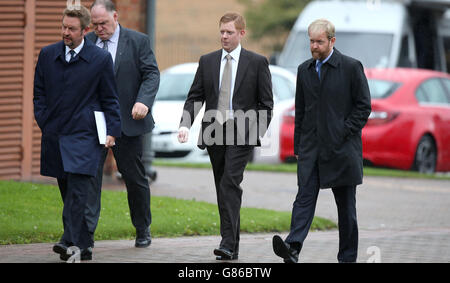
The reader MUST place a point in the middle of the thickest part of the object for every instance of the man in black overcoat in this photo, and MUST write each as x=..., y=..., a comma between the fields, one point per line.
x=332, y=106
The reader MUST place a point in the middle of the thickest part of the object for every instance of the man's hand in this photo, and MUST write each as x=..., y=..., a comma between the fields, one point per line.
x=139, y=111
x=183, y=135
x=110, y=141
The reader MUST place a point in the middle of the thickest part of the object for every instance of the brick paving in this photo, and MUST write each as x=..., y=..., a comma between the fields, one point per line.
x=421, y=245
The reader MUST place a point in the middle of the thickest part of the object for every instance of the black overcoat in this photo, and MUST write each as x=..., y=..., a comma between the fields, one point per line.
x=329, y=116
x=65, y=98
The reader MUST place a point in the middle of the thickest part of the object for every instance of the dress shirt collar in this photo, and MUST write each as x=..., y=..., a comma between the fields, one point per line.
x=326, y=59
x=77, y=49
x=114, y=38
x=234, y=54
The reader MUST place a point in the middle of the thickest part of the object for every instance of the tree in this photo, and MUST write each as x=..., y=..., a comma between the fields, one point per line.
x=271, y=20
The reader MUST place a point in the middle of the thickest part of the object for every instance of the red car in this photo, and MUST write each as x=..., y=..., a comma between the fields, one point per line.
x=409, y=127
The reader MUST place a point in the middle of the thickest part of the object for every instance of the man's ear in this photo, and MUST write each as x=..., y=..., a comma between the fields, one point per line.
x=86, y=30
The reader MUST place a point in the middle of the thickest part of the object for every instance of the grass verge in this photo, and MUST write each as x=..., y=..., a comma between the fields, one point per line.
x=32, y=213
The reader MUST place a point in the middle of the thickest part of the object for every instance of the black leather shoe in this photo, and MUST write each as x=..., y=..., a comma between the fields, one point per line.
x=284, y=250
x=234, y=257
x=60, y=248
x=225, y=254
x=143, y=239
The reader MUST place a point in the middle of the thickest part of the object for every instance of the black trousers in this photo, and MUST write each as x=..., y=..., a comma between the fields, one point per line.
x=79, y=226
x=228, y=162
x=128, y=155
x=303, y=214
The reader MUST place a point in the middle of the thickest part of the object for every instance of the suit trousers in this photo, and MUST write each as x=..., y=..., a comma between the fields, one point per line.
x=128, y=155
x=79, y=226
x=303, y=213
x=228, y=163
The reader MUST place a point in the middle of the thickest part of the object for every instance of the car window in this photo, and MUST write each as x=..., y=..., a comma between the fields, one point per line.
x=174, y=86
x=282, y=88
x=421, y=96
x=381, y=88
x=446, y=83
x=432, y=91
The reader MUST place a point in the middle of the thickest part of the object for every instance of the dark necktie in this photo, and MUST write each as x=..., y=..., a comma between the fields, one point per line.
x=72, y=55
x=225, y=92
x=105, y=45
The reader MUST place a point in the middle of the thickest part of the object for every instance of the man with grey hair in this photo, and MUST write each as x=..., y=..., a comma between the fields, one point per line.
x=137, y=77
x=332, y=105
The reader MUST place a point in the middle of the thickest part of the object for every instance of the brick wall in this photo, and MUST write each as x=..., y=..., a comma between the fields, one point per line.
x=184, y=29
x=187, y=29
x=132, y=13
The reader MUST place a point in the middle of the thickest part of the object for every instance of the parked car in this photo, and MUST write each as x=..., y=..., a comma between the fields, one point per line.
x=409, y=126
x=168, y=108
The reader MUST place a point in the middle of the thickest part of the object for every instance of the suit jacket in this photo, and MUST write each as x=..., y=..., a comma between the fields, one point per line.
x=329, y=116
x=137, y=77
x=65, y=98
x=252, y=95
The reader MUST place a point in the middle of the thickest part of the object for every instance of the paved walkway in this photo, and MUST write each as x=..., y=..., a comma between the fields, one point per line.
x=421, y=245
x=400, y=220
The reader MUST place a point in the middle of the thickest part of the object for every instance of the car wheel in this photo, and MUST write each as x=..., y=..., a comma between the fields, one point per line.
x=425, y=159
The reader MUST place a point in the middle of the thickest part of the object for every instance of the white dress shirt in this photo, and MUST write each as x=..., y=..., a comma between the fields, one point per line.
x=77, y=50
x=113, y=42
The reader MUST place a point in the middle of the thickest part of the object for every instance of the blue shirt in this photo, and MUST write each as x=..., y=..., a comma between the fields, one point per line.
x=324, y=61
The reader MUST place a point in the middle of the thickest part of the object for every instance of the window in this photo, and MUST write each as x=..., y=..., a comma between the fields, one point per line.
x=421, y=96
x=446, y=83
x=174, y=86
x=382, y=89
x=372, y=49
x=282, y=89
x=432, y=91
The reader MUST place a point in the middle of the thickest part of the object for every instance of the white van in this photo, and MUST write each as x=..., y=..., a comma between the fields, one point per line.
x=379, y=33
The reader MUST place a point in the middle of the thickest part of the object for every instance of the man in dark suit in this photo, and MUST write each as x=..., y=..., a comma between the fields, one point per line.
x=332, y=105
x=73, y=79
x=137, y=76
x=236, y=86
